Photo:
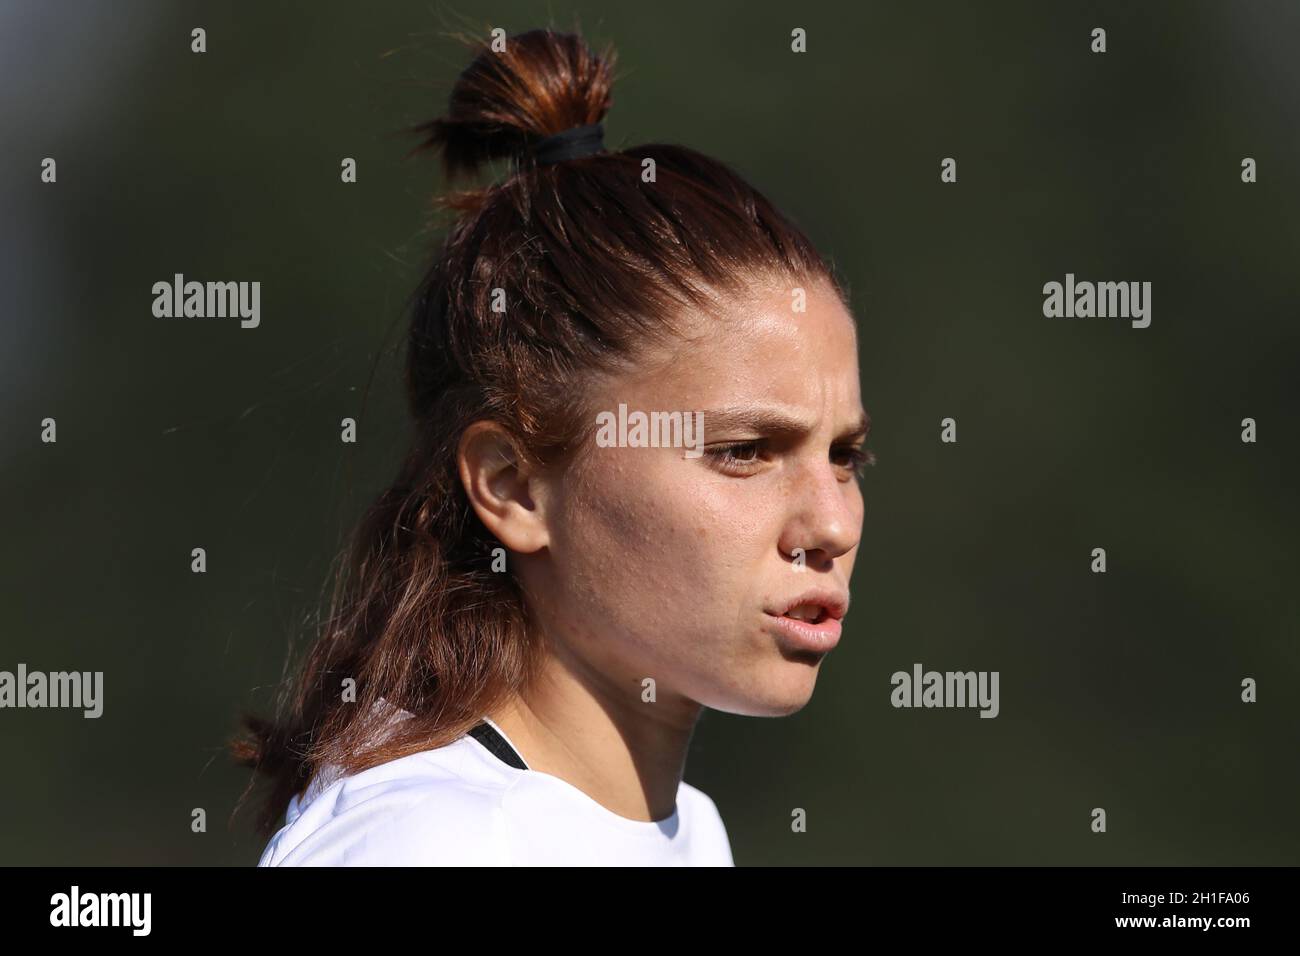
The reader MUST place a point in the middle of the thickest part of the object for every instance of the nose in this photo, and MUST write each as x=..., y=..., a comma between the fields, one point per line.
x=825, y=517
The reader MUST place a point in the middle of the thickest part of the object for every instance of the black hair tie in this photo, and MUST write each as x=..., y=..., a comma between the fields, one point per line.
x=573, y=143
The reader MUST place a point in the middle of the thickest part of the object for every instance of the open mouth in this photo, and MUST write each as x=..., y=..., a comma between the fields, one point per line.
x=808, y=613
x=810, y=622
x=807, y=629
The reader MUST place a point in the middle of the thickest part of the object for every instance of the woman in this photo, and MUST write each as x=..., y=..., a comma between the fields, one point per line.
x=540, y=606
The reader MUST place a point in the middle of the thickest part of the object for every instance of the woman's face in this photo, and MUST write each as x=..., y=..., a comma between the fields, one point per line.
x=661, y=564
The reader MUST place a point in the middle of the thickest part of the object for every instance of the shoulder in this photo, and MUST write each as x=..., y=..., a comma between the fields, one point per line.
x=701, y=803
x=711, y=832
x=437, y=808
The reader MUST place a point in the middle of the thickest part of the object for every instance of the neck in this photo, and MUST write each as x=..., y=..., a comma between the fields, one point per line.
x=625, y=753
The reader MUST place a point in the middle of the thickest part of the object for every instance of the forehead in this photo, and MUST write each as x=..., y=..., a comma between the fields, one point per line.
x=761, y=348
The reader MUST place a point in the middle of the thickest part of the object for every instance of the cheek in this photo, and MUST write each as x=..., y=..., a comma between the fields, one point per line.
x=653, y=538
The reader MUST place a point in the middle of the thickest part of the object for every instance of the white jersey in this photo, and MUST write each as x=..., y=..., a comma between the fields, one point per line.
x=474, y=802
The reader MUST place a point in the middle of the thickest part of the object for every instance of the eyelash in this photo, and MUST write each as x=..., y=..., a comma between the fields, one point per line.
x=859, y=459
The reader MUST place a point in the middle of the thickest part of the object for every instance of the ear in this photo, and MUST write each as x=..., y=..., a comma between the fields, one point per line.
x=502, y=489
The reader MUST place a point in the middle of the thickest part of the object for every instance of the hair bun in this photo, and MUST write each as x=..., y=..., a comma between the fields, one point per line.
x=515, y=93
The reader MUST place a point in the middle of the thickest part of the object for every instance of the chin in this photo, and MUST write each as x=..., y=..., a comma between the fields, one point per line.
x=778, y=689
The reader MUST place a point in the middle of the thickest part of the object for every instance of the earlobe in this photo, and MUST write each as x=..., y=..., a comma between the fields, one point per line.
x=501, y=488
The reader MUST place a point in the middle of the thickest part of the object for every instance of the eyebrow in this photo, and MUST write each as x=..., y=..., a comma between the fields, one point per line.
x=774, y=420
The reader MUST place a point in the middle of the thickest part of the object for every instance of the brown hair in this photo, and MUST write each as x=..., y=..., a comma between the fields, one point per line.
x=596, y=261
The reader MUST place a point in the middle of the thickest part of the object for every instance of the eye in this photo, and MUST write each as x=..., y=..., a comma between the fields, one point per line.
x=736, y=457
x=741, y=457
x=853, y=458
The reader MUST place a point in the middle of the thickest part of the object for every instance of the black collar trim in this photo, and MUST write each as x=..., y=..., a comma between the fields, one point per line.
x=497, y=745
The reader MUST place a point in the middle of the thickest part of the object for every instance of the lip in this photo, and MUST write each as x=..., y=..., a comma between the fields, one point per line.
x=818, y=638
x=836, y=603
x=805, y=635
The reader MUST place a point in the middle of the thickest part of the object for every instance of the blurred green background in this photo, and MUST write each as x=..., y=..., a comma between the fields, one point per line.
x=1118, y=690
